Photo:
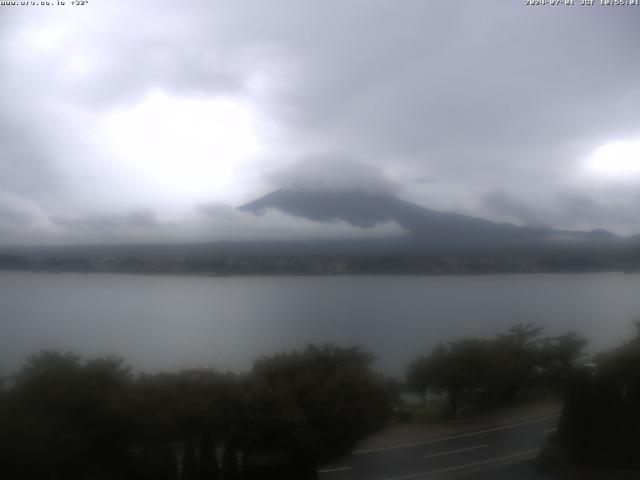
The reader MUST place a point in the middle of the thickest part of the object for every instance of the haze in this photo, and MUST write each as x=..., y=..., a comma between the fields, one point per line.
x=125, y=121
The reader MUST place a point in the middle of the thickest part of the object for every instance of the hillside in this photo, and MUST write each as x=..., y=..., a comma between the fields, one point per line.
x=427, y=228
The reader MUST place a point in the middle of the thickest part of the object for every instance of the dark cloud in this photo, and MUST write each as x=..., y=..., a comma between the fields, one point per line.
x=332, y=172
x=109, y=226
x=505, y=205
x=22, y=220
x=26, y=163
x=222, y=222
x=22, y=223
x=617, y=210
x=573, y=209
x=11, y=215
x=488, y=97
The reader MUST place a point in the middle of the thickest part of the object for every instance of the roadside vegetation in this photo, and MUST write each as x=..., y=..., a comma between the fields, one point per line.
x=600, y=424
x=471, y=374
x=63, y=417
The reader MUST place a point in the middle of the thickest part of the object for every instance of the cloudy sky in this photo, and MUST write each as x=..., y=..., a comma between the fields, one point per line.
x=137, y=120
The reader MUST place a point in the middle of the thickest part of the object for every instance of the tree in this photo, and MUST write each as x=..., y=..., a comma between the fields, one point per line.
x=307, y=407
x=189, y=408
x=559, y=357
x=208, y=464
x=476, y=372
x=462, y=370
x=600, y=422
x=69, y=417
x=66, y=417
x=518, y=354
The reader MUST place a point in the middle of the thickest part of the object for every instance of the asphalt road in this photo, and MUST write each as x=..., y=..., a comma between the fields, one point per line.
x=500, y=453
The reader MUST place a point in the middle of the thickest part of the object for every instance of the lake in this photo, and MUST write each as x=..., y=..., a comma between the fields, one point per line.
x=170, y=322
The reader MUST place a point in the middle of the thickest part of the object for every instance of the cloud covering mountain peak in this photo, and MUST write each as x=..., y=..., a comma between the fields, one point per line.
x=332, y=173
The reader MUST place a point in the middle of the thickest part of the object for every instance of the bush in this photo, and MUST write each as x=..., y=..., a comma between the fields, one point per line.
x=65, y=417
x=478, y=372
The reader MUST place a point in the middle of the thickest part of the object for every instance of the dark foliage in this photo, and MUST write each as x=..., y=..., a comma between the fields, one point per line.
x=479, y=372
x=600, y=424
x=66, y=418
x=311, y=406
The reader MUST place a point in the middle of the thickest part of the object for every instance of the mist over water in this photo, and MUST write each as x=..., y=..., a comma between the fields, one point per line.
x=171, y=322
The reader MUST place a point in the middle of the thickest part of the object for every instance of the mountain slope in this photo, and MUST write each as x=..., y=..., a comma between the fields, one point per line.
x=428, y=228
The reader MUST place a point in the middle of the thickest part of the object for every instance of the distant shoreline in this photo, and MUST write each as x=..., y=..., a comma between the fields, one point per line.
x=313, y=275
x=225, y=265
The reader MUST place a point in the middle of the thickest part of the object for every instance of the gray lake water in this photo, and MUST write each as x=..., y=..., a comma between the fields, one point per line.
x=170, y=322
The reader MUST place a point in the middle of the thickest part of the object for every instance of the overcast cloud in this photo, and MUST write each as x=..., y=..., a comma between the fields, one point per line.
x=495, y=109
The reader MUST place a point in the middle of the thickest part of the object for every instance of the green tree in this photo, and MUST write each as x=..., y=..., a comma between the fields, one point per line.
x=69, y=417
x=600, y=422
x=193, y=408
x=476, y=372
x=462, y=370
x=560, y=356
x=311, y=406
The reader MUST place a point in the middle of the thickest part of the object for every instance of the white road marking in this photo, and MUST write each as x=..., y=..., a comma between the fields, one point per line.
x=452, y=437
x=551, y=430
x=461, y=467
x=460, y=450
x=337, y=469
